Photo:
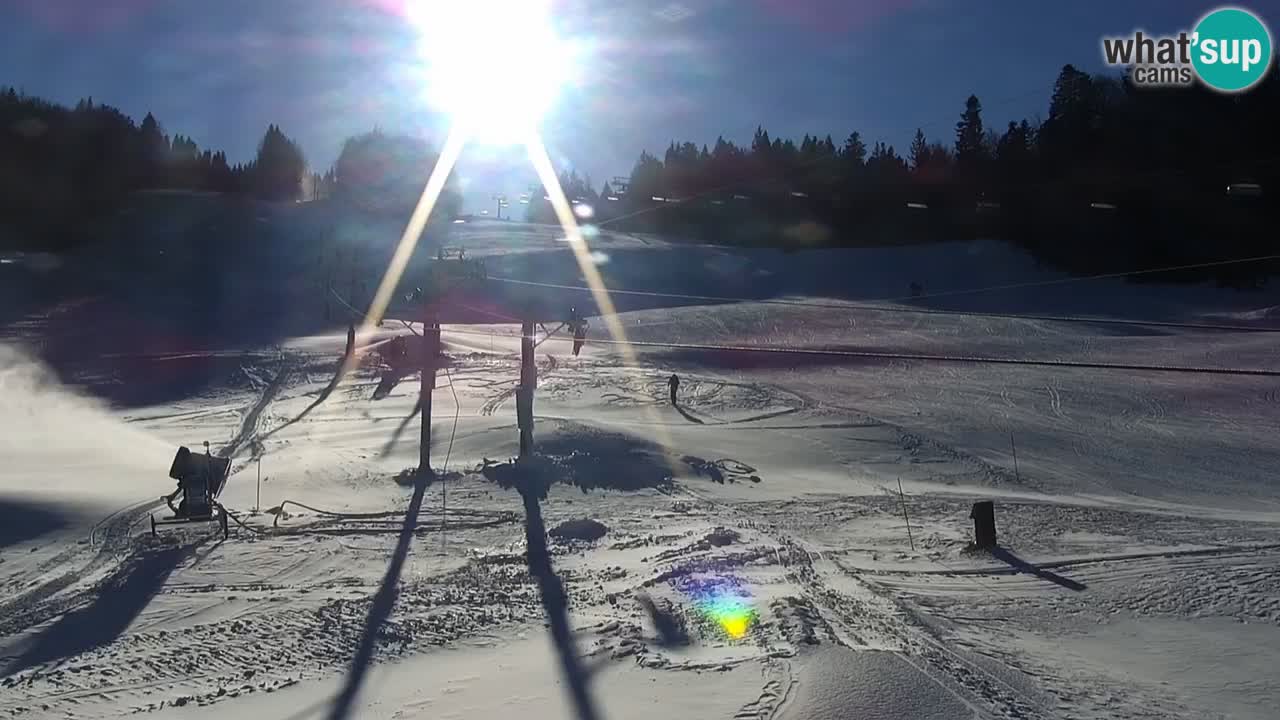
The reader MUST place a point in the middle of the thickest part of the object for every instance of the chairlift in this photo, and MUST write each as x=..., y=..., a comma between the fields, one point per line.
x=798, y=194
x=1102, y=206
x=741, y=197
x=917, y=206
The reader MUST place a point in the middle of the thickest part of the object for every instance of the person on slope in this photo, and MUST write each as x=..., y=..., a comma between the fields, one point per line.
x=579, y=327
x=673, y=383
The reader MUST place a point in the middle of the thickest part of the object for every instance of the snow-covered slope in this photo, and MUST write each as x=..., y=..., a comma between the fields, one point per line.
x=759, y=559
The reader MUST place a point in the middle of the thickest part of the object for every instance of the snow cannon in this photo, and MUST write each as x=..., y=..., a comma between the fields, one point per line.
x=200, y=481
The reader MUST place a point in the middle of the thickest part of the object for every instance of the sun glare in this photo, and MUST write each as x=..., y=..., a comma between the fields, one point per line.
x=496, y=66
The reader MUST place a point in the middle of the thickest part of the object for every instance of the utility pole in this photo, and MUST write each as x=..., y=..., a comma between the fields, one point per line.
x=430, y=354
x=524, y=393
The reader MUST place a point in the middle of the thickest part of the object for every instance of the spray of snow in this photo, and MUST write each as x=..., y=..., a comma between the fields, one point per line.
x=55, y=440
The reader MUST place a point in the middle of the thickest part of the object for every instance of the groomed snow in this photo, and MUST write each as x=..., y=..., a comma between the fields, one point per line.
x=761, y=518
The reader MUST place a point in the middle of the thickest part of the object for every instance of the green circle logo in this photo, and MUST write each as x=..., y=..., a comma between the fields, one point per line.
x=1231, y=49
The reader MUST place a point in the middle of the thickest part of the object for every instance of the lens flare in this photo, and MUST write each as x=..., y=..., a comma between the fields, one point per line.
x=722, y=601
x=731, y=612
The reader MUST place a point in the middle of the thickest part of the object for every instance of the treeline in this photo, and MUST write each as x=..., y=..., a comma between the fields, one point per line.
x=61, y=168
x=1115, y=177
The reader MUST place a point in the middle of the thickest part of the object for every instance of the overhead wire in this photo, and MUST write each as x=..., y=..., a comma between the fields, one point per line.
x=457, y=408
x=963, y=359
x=861, y=306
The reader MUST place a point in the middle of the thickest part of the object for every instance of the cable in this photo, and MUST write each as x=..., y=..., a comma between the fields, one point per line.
x=858, y=307
x=967, y=359
x=242, y=523
x=444, y=483
x=330, y=513
x=457, y=408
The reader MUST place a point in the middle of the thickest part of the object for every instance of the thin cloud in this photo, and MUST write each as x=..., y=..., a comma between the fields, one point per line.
x=77, y=16
x=836, y=16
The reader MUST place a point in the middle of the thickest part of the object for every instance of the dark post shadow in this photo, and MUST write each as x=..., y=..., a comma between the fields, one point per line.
x=324, y=395
x=395, y=436
x=388, y=382
x=688, y=416
x=119, y=601
x=1017, y=563
x=380, y=609
x=554, y=601
x=27, y=520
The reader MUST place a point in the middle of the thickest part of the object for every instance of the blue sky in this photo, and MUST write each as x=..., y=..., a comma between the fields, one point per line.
x=652, y=71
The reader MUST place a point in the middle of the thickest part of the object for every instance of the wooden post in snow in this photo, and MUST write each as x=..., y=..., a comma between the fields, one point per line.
x=1014, y=446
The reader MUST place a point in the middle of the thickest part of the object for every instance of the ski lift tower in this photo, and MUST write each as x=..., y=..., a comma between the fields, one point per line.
x=502, y=202
x=454, y=292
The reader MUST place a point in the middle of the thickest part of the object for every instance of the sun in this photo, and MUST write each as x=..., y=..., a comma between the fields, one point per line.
x=495, y=66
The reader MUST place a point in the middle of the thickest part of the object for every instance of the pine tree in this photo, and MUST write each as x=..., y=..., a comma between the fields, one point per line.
x=1066, y=137
x=155, y=152
x=855, y=151
x=919, y=153
x=761, y=145
x=279, y=166
x=971, y=152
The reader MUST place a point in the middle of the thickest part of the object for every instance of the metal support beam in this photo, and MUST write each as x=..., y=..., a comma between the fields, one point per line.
x=430, y=358
x=524, y=394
